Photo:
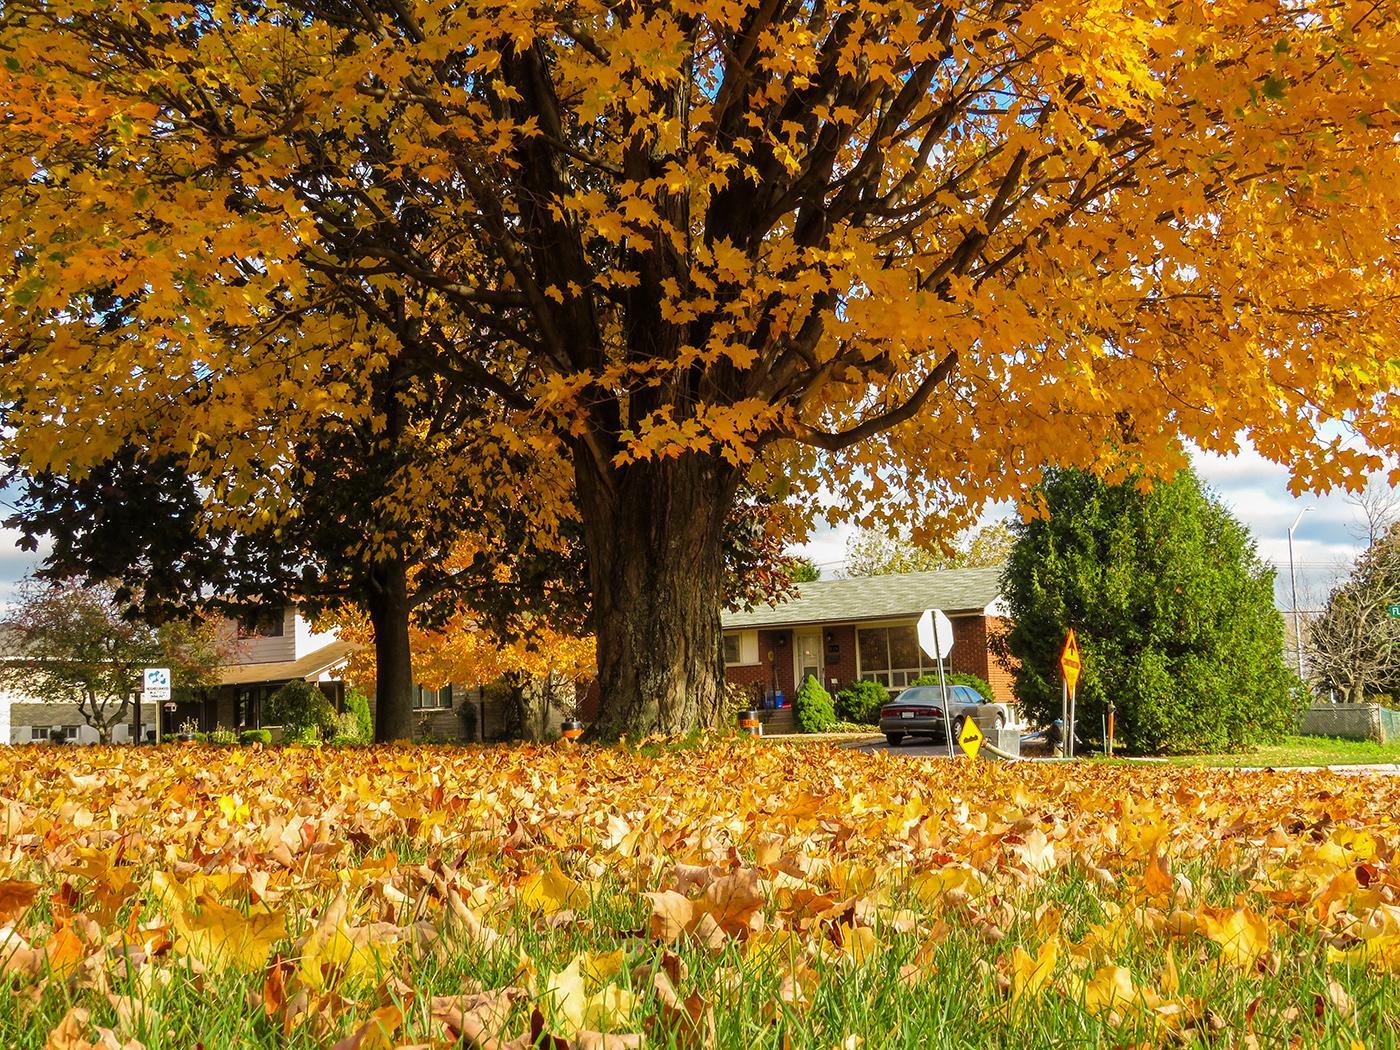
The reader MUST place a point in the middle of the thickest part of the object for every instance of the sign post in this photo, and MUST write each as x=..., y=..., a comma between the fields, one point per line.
x=936, y=639
x=155, y=684
x=1069, y=666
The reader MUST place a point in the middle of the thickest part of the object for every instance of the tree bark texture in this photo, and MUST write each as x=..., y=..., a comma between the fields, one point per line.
x=656, y=569
x=389, y=609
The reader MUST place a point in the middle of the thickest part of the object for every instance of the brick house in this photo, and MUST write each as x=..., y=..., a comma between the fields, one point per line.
x=865, y=628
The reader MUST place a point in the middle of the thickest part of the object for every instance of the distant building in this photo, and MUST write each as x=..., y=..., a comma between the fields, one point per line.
x=265, y=658
x=842, y=631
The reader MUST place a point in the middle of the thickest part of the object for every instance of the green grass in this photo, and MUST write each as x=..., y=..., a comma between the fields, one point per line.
x=1300, y=751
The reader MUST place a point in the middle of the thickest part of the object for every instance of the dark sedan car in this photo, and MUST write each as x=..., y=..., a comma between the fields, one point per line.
x=918, y=711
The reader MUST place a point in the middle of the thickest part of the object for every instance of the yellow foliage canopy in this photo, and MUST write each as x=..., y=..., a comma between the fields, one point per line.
x=701, y=244
x=1004, y=235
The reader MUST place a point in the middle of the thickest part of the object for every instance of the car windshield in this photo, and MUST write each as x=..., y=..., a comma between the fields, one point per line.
x=920, y=694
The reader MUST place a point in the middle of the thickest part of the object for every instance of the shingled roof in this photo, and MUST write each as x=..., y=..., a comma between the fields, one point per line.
x=957, y=592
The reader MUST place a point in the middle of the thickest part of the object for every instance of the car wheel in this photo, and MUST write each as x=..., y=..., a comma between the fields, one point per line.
x=894, y=738
x=1000, y=721
x=958, y=723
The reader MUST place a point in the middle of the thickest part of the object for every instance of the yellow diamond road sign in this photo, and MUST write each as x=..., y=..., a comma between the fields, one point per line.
x=970, y=739
x=1069, y=661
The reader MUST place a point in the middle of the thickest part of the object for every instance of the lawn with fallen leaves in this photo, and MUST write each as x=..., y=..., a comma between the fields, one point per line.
x=725, y=895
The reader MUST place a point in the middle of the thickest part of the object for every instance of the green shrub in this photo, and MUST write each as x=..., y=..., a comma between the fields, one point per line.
x=222, y=737
x=358, y=704
x=861, y=701
x=310, y=735
x=813, y=708
x=300, y=707
x=983, y=687
x=347, y=729
x=255, y=736
x=736, y=698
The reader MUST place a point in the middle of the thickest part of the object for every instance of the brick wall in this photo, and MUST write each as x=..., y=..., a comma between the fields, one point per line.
x=998, y=674
x=971, y=654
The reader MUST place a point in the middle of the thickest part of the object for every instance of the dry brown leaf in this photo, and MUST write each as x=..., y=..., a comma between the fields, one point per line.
x=686, y=878
x=463, y=923
x=69, y=1033
x=132, y=1013
x=479, y=1019
x=688, y=1022
x=671, y=915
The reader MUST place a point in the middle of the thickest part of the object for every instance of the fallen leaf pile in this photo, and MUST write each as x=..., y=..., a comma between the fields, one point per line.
x=730, y=894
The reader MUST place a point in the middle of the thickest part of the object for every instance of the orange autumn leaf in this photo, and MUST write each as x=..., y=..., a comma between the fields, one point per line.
x=15, y=896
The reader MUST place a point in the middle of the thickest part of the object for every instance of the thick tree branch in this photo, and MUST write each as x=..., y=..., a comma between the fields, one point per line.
x=809, y=435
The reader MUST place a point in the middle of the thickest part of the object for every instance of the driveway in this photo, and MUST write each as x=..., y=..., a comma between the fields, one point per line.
x=913, y=747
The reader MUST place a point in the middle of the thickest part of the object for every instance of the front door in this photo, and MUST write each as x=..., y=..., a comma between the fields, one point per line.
x=809, y=658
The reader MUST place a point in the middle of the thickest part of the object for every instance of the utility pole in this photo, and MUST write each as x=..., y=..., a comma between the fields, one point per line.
x=1293, y=581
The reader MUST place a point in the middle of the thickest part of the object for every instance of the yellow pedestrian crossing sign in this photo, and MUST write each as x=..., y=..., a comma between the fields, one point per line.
x=970, y=739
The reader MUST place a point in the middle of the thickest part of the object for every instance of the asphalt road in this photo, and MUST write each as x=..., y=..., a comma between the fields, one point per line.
x=912, y=747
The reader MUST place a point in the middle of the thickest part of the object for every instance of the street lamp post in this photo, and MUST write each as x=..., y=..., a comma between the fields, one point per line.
x=1293, y=580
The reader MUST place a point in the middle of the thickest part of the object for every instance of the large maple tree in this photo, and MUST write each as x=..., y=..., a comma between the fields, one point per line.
x=902, y=252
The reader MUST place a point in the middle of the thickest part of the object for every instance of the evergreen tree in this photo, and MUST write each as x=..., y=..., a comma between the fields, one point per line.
x=1172, y=608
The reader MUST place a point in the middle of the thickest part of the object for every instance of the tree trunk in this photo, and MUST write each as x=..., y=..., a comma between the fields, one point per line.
x=389, y=608
x=654, y=533
x=530, y=701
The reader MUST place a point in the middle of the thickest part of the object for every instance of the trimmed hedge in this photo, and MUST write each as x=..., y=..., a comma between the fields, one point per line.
x=255, y=736
x=303, y=712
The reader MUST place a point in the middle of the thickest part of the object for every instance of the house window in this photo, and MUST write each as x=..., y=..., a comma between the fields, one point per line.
x=255, y=628
x=431, y=698
x=70, y=732
x=891, y=655
x=740, y=647
x=38, y=733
